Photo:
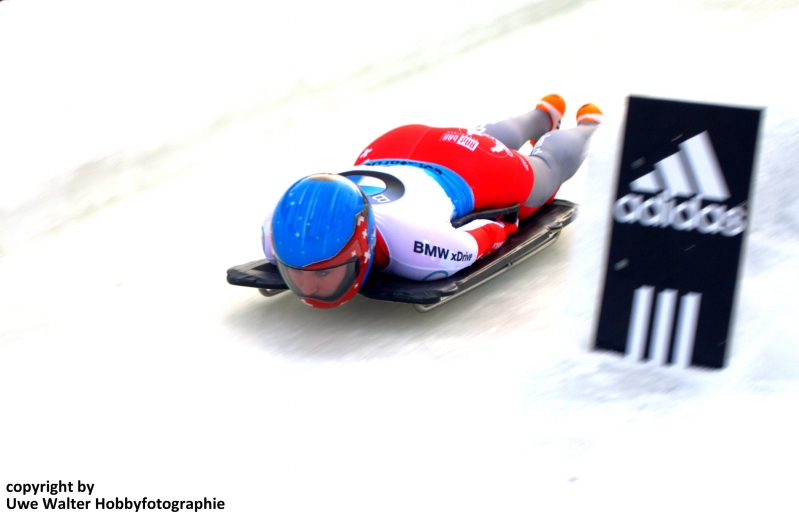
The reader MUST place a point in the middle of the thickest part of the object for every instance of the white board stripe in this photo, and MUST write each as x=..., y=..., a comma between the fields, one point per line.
x=639, y=322
x=686, y=328
x=673, y=174
x=661, y=333
x=646, y=183
x=702, y=158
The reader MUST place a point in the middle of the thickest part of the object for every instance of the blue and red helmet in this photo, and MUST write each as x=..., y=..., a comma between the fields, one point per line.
x=323, y=236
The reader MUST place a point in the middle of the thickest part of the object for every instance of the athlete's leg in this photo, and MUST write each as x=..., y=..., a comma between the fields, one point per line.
x=558, y=155
x=515, y=131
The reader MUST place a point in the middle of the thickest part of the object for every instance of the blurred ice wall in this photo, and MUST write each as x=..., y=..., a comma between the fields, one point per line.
x=97, y=92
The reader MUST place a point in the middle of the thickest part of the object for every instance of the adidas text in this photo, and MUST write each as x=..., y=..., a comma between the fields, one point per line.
x=663, y=210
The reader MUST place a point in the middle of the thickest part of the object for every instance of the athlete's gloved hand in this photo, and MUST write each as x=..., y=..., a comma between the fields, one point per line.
x=510, y=228
x=490, y=235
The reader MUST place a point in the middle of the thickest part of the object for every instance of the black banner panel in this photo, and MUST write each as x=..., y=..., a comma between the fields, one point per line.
x=679, y=217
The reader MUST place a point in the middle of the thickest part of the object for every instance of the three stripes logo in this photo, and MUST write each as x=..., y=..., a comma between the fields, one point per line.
x=667, y=344
x=694, y=173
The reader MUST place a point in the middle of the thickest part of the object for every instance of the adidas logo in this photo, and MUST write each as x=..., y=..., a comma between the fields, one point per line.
x=693, y=172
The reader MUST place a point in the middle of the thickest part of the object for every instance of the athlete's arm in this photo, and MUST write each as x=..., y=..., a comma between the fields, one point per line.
x=266, y=238
x=438, y=250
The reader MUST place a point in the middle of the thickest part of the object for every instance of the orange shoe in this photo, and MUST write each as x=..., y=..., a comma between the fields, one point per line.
x=555, y=106
x=589, y=113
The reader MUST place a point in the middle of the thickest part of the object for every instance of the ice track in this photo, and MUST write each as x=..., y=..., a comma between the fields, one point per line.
x=126, y=360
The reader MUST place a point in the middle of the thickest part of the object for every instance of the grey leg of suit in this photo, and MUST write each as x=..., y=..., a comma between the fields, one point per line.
x=515, y=131
x=555, y=158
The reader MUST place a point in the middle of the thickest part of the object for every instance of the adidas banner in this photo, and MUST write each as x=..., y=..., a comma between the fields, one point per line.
x=680, y=214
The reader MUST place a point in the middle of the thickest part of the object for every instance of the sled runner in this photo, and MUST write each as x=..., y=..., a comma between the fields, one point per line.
x=534, y=235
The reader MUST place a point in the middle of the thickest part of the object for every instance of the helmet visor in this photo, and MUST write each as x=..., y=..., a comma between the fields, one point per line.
x=327, y=284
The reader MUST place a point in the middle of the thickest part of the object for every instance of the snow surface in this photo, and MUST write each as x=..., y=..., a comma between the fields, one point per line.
x=127, y=361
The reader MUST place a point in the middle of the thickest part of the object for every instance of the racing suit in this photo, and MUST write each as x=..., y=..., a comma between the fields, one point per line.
x=418, y=179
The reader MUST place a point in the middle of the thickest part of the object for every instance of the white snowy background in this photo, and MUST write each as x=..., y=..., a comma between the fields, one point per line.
x=140, y=145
